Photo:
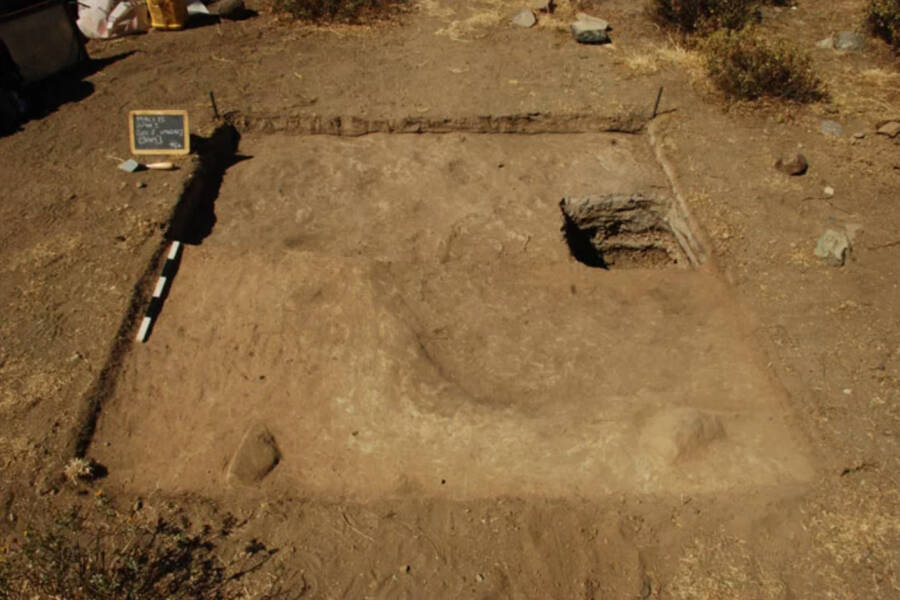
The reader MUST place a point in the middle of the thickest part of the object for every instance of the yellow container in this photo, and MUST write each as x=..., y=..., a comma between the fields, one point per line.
x=167, y=14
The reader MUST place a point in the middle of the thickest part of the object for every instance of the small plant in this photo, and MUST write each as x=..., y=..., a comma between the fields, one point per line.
x=346, y=11
x=79, y=470
x=745, y=65
x=77, y=558
x=704, y=16
x=883, y=20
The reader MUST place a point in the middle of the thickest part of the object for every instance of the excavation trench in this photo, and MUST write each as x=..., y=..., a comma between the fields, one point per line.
x=401, y=315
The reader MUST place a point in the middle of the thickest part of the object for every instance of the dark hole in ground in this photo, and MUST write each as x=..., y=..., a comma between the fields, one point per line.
x=195, y=215
x=620, y=231
x=580, y=243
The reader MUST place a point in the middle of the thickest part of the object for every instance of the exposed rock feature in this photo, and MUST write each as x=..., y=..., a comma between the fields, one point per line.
x=257, y=455
x=621, y=230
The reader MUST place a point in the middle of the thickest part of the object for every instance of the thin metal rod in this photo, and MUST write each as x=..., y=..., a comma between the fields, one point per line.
x=655, y=106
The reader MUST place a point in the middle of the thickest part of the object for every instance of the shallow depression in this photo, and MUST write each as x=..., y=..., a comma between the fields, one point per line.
x=402, y=315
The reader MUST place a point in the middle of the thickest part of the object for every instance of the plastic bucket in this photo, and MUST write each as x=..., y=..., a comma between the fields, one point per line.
x=167, y=14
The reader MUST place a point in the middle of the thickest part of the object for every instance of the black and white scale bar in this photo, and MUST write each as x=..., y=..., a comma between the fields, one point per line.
x=156, y=301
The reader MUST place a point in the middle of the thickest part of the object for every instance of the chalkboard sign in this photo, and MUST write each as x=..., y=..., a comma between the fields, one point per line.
x=159, y=132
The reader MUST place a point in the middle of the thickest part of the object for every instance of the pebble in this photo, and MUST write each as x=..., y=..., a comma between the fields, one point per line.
x=833, y=247
x=792, y=165
x=827, y=43
x=829, y=191
x=890, y=129
x=479, y=578
x=524, y=18
x=831, y=128
x=140, y=184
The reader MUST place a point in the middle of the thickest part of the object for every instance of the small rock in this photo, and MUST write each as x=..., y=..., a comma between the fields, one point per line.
x=792, y=165
x=130, y=165
x=831, y=128
x=890, y=129
x=833, y=247
x=849, y=41
x=140, y=184
x=546, y=6
x=479, y=578
x=829, y=191
x=230, y=9
x=859, y=135
x=590, y=30
x=826, y=44
x=257, y=455
x=524, y=18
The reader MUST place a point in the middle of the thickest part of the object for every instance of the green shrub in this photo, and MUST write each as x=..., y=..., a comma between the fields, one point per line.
x=745, y=65
x=703, y=16
x=883, y=20
x=345, y=11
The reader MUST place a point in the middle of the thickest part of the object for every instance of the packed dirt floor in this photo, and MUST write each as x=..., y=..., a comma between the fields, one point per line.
x=462, y=409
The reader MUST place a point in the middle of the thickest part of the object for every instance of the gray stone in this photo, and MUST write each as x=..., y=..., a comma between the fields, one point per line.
x=524, y=18
x=849, y=41
x=890, y=129
x=230, y=9
x=792, y=165
x=257, y=455
x=831, y=128
x=590, y=30
x=593, y=21
x=130, y=165
x=833, y=247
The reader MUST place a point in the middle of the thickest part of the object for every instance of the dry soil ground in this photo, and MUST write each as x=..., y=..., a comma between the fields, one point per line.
x=462, y=409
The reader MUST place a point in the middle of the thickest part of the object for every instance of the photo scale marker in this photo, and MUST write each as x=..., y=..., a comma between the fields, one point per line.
x=156, y=301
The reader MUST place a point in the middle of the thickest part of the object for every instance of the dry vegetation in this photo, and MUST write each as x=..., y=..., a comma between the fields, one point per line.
x=739, y=59
x=100, y=555
x=344, y=11
x=883, y=20
x=745, y=64
x=704, y=16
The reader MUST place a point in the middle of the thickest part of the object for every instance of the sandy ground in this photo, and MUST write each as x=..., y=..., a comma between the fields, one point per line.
x=796, y=496
x=404, y=316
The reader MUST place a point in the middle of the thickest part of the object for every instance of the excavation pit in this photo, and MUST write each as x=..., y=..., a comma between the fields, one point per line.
x=622, y=231
x=400, y=315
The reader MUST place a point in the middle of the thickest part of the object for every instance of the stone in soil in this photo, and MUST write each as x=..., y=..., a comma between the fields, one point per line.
x=524, y=18
x=833, y=247
x=849, y=41
x=826, y=44
x=257, y=455
x=590, y=30
x=230, y=9
x=890, y=129
x=831, y=128
x=792, y=165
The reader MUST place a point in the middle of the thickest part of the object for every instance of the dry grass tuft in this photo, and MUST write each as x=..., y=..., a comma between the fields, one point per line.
x=746, y=65
x=79, y=470
x=704, y=16
x=883, y=20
